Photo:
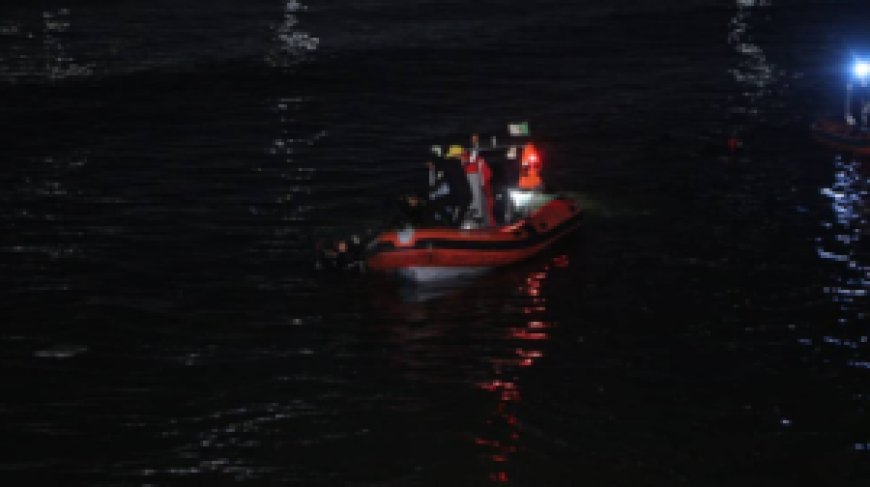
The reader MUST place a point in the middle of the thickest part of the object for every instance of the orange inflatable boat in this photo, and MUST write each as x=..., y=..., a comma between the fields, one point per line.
x=431, y=254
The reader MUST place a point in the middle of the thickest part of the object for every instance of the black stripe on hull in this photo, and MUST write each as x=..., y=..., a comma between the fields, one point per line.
x=854, y=142
x=534, y=238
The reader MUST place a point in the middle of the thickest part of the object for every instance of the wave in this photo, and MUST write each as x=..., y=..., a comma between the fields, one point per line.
x=64, y=44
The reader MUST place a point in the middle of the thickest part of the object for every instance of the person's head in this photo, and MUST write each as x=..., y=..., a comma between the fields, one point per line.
x=475, y=140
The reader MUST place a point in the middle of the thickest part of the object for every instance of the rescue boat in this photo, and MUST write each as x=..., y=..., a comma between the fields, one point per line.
x=433, y=254
x=852, y=133
x=533, y=220
x=841, y=136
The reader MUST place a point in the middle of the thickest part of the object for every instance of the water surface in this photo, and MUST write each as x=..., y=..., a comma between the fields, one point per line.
x=168, y=167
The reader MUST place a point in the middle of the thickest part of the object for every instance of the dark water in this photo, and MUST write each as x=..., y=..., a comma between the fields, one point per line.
x=168, y=166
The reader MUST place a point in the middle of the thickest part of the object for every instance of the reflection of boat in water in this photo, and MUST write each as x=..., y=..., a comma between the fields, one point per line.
x=852, y=133
x=503, y=435
x=428, y=254
x=483, y=362
x=532, y=221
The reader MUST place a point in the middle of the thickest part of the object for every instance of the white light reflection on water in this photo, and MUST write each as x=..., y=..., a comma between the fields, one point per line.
x=288, y=150
x=225, y=441
x=38, y=224
x=223, y=434
x=292, y=45
x=843, y=244
x=39, y=52
x=754, y=72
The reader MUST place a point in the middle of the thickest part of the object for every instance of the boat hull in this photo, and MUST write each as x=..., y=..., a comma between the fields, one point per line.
x=838, y=135
x=440, y=273
x=432, y=254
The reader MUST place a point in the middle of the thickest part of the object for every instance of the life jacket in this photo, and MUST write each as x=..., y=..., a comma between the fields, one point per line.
x=471, y=162
x=530, y=168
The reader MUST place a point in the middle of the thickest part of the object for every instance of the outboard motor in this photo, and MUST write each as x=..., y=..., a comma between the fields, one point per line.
x=342, y=255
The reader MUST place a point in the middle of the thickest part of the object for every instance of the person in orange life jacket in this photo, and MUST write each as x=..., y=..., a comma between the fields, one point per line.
x=479, y=177
x=530, y=168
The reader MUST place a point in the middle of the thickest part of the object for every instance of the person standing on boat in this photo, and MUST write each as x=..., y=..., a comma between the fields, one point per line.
x=530, y=168
x=449, y=193
x=479, y=175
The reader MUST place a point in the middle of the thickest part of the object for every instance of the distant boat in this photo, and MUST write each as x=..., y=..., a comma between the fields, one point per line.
x=841, y=136
x=852, y=133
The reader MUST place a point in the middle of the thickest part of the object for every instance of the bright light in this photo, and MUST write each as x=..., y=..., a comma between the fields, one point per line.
x=861, y=69
x=520, y=198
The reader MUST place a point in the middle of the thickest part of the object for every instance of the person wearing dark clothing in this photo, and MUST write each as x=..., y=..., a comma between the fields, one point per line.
x=409, y=210
x=439, y=201
x=340, y=255
x=449, y=192
x=505, y=173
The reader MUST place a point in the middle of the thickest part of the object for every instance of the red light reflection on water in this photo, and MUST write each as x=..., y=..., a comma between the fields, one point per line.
x=506, y=428
x=500, y=477
x=524, y=334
